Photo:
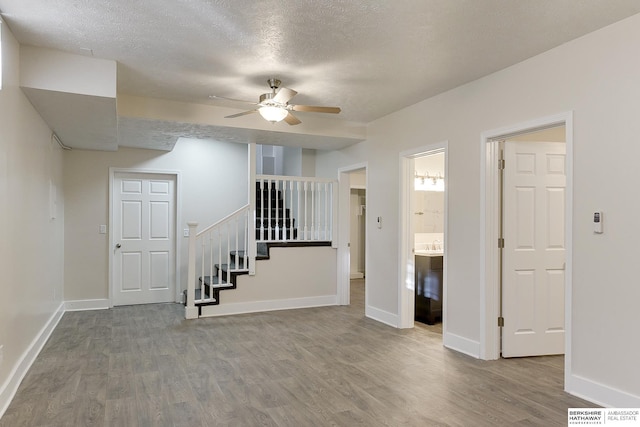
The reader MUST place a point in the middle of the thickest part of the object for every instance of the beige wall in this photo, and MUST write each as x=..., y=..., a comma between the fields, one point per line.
x=213, y=184
x=596, y=77
x=298, y=272
x=308, y=162
x=31, y=243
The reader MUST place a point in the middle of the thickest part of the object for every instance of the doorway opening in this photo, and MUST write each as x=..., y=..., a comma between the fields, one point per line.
x=423, y=238
x=357, y=236
x=352, y=242
x=427, y=206
x=556, y=238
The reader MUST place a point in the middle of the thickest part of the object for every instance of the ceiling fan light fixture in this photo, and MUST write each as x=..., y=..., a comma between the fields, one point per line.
x=273, y=114
x=274, y=106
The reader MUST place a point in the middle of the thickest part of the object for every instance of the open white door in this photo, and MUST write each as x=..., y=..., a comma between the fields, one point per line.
x=144, y=238
x=534, y=249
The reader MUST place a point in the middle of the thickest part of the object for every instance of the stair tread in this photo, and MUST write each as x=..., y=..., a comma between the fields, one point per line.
x=242, y=254
x=216, y=283
x=210, y=301
x=230, y=267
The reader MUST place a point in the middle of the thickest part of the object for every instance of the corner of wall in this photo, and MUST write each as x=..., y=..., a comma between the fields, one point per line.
x=382, y=316
x=461, y=344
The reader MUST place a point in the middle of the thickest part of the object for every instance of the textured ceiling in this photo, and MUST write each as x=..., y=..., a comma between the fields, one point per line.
x=162, y=135
x=370, y=57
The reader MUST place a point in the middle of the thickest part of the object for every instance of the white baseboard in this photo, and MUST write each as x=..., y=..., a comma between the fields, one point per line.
x=10, y=386
x=461, y=344
x=600, y=394
x=86, y=304
x=381, y=316
x=270, y=305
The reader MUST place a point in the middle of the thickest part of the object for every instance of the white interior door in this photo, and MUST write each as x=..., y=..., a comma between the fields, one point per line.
x=144, y=238
x=534, y=249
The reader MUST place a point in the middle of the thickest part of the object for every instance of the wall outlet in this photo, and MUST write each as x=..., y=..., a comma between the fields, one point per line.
x=1, y=354
x=185, y=232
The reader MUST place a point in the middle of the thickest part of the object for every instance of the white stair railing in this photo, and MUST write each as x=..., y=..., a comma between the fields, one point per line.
x=295, y=209
x=212, y=248
x=285, y=209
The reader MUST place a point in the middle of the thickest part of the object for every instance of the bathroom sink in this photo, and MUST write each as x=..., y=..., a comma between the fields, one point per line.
x=429, y=252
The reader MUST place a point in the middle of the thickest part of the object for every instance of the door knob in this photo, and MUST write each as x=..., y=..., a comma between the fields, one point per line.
x=118, y=246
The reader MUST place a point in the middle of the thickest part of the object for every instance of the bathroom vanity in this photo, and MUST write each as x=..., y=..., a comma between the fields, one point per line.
x=428, y=286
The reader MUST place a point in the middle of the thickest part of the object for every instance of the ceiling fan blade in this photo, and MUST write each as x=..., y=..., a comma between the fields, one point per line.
x=231, y=99
x=244, y=113
x=284, y=95
x=314, y=109
x=292, y=120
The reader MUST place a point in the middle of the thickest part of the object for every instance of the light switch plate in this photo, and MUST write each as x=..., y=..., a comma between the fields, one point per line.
x=185, y=232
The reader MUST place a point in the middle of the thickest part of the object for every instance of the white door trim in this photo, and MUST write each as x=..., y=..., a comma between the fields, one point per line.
x=406, y=278
x=344, y=230
x=489, y=217
x=112, y=173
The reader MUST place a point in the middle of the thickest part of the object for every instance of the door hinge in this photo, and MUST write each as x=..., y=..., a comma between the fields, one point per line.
x=500, y=242
x=500, y=164
x=500, y=322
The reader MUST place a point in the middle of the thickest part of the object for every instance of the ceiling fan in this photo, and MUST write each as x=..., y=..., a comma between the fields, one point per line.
x=275, y=107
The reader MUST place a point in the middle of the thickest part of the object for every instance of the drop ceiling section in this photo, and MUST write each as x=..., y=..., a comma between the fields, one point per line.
x=75, y=95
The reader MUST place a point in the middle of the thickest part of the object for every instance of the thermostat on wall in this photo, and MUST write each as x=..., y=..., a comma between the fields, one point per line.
x=597, y=222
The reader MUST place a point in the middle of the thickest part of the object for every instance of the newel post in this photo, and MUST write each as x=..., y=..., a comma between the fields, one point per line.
x=251, y=229
x=335, y=194
x=191, y=311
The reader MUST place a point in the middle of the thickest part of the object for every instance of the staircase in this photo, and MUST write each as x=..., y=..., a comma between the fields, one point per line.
x=225, y=277
x=273, y=222
x=217, y=254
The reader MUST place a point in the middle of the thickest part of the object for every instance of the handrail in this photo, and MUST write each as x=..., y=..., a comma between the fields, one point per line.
x=217, y=243
x=223, y=220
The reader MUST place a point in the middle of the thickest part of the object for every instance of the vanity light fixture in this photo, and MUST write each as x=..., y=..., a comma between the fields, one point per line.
x=429, y=182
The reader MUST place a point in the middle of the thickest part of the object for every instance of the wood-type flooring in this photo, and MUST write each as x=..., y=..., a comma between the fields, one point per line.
x=331, y=366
